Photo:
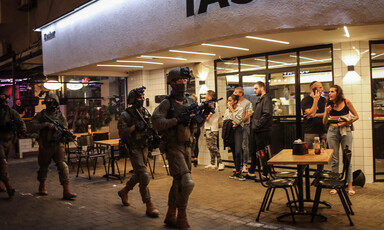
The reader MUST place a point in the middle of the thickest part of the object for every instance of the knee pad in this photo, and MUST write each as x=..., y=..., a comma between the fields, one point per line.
x=143, y=178
x=187, y=183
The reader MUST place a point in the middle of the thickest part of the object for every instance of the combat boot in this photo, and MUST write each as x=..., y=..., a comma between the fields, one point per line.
x=42, y=189
x=151, y=210
x=182, y=221
x=10, y=190
x=123, y=194
x=170, y=218
x=67, y=194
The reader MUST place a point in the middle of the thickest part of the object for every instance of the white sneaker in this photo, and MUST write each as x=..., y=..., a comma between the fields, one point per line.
x=221, y=167
x=209, y=166
x=245, y=170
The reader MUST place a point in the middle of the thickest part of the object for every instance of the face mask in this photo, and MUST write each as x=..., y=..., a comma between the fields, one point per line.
x=178, y=91
x=51, y=105
x=138, y=103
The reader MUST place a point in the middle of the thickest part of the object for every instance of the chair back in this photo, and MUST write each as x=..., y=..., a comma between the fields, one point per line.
x=85, y=140
x=265, y=173
x=347, y=156
x=100, y=136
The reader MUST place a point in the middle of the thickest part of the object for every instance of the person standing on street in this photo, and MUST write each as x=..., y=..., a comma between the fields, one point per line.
x=132, y=131
x=10, y=125
x=51, y=145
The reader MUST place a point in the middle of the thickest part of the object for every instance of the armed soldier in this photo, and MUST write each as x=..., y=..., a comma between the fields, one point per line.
x=133, y=128
x=51, y=145
x=10, y=122
x=178, y=129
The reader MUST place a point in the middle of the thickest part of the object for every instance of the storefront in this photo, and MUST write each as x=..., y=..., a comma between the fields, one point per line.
x=227, y=44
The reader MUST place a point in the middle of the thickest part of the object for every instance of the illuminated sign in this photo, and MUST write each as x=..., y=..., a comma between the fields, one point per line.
x=204, y=5
x=49, y=36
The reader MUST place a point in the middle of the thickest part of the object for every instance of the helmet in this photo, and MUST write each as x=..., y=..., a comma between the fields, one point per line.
x=358, y=178
x=176, y=73
x=53, y=96
x=134, y=94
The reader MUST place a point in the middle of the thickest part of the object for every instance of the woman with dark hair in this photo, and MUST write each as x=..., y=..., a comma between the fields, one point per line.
x=337, y=113
x=236, y=114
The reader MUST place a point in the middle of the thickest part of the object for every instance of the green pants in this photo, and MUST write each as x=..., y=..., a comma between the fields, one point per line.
x=5, y=150
x=57, y=154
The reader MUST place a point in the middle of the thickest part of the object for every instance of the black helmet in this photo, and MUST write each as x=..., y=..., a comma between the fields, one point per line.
x=358, y=178
x=134, y=94
x=54, y=97
x=178, y=73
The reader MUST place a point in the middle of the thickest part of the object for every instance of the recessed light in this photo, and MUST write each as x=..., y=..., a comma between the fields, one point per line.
x=227, y=47
x=190, y=52
x=160, y=57
x=144, y=62
x=128, y=66
x=346, y=32
x=268, y=40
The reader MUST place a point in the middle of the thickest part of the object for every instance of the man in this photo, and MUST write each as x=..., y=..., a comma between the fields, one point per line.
x=247, y=107
x=51, y=145
x=133, y=133
x=261, y=124
x=313, y=106
x=178, y=129
x=10, y=122
x=212, y=134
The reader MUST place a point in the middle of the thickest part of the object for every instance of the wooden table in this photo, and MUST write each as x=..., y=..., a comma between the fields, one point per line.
x=285, y=157
x=112, y=143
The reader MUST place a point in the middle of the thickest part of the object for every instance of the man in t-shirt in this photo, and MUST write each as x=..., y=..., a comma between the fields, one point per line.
x=313, y=106
x=247, y=107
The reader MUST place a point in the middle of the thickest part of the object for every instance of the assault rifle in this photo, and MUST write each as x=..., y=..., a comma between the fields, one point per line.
x=195, y=109
x=63, y=132
x=154, y=139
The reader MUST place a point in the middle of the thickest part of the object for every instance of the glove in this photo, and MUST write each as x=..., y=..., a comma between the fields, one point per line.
x=140, y=127
x=184, y=119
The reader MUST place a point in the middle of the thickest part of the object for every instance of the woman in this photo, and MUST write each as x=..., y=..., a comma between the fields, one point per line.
x=236, y=114
x=337, y=113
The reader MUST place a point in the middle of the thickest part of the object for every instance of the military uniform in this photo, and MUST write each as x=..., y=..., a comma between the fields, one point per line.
x=10, y=122
x=136, y=140
x=51, y=147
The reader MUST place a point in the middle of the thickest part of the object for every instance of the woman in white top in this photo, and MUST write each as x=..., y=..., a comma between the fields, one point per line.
x=236, y=114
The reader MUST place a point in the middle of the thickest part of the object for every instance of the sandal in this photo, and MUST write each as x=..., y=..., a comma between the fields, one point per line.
x=351, y=192
x=333, y=192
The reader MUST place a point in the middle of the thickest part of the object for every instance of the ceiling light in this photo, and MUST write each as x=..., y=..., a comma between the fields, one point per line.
x=160, y=57
x=74, y=85
x=190, y=52
x=144, y=62
x=228, y=47
x=52, y=85
x=268, y=40
x=129, y=66
x=346, y=32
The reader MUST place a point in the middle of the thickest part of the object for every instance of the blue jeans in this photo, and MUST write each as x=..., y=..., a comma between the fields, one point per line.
x=334, y=141
x=236, y=147
x=245, y=145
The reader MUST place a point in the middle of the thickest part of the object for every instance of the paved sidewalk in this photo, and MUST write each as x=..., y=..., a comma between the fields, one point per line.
x=217, y=202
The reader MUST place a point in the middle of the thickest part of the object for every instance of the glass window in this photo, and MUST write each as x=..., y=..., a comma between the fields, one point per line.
x=319, y=56
x=282, y=60
x=252, y=64
x=377, y=52
x=248, y=83
x=228, y=66
x=282, y=89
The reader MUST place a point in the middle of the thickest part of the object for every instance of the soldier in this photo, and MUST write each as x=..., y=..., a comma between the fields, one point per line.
x=10, y=122
x=178, y=129
x=133, y=132
x=51, y=145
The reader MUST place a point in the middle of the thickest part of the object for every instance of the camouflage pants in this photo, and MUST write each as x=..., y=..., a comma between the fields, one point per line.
x=57, y=154
x=5, y=150
x=211, y=138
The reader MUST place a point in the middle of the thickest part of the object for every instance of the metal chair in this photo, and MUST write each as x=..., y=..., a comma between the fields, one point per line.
x=272, y=184
x=153, y=155
x=339, y=185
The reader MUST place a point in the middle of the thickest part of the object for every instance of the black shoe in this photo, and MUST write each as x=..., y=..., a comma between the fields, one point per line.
x=250, y=176
x=239, y=177
x=195, y=162
x=233, y=176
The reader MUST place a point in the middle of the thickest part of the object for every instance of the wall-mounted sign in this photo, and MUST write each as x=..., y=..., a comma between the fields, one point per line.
x=204, y=5
x=49, y=36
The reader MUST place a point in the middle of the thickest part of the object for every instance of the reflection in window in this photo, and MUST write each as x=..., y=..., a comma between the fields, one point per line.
x=318, y=56
x=228, y=66
x=282, y=60
x=252, y=64
x=282, y=90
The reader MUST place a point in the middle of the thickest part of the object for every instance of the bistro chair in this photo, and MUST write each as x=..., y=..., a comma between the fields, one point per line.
x=87, y=152
x=123, y=153
x=154, y=154
x=339, y=185
x=272, y=184
x=71, y=153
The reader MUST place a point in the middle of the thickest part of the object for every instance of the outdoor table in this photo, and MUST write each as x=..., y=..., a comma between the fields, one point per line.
x=112, y=143
x=285, y=157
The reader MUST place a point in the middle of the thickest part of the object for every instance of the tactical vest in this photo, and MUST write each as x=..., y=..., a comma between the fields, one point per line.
x=6, y=121
x=49, y=135
x=138, y=139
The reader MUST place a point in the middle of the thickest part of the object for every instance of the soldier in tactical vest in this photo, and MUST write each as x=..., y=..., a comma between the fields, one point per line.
x=51, y=145
x=133, y=127
x=10, y=124
x=178, y=130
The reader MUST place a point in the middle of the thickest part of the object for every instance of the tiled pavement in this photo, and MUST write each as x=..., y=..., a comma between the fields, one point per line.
x=217, y=202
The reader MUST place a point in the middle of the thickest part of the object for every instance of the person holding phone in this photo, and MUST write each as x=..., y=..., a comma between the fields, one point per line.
x=313, y=110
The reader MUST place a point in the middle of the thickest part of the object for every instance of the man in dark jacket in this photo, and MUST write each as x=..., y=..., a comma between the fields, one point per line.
x=10, y=122
x=261, y=124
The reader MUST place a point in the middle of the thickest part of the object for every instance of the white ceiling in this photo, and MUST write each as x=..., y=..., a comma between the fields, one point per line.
x=296, y=40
